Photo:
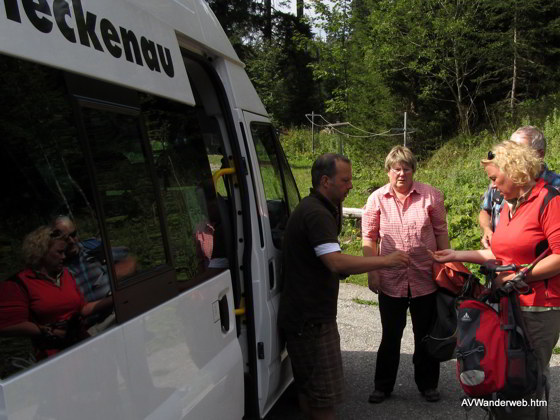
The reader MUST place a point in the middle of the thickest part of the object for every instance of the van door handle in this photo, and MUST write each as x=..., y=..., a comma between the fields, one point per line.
x=271, y=279
x=224, y=313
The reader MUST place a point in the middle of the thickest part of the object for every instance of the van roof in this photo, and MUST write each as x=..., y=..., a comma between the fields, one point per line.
x=194, y=20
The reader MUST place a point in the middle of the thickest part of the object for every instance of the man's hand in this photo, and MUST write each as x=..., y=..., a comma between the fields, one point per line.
x=397, y=259
x=486, y=239
x=125, y=267
x=373, y=280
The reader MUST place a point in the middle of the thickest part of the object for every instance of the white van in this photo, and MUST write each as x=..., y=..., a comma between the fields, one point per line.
x=136, y=119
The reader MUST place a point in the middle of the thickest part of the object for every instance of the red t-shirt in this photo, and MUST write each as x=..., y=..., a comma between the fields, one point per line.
x=520, y=240
x=43, y=303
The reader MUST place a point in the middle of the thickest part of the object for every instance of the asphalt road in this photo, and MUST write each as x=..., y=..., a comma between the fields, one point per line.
x=360, y=331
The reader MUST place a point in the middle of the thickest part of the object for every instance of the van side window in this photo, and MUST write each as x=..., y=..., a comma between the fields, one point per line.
x=292, y=191
x=43, y=175
x=125, y=186
x=185, y=156
x=272, y=178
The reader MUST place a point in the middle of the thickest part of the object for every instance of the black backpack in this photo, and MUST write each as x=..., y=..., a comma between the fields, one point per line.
x=441, y=342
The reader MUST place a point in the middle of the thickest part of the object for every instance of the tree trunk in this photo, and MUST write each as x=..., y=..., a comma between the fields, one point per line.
x=462, y=109
x=514, y=72
x=299, y=9
x=268, y=20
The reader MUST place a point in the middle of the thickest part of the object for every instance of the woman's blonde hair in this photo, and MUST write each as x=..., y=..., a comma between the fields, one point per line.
x=520, y=163
x=37, y=243
x=400, y=154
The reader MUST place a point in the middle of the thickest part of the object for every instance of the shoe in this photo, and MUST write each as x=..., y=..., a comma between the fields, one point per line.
x=431, y=395
x=378, y=396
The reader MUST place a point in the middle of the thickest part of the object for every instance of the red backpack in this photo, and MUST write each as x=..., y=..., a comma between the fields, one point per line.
x=494, y=352
x=495, y=355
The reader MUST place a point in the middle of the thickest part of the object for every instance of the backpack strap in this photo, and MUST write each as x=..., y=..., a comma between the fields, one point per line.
x=543, y=386
x=551, y=193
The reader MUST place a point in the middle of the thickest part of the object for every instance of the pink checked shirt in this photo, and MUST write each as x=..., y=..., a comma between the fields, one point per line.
x=411, y=228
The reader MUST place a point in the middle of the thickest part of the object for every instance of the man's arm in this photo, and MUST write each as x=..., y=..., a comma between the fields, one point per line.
x=340, y=263
x=485, y=222
x=97, y=306
x=485, y=217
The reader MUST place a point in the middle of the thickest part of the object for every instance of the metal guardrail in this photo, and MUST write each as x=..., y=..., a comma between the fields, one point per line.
x=352, y=212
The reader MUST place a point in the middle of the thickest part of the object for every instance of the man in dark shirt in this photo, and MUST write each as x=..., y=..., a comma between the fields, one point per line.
x=313, y=264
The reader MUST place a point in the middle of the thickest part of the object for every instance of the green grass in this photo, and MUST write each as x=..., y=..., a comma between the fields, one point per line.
x=365, y=302
x=556, y=350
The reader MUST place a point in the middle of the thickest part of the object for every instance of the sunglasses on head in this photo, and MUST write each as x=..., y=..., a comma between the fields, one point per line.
x=491, y=155
x=58, y=234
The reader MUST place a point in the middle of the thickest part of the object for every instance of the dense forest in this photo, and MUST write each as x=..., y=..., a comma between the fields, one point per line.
x=466, y=72
x=455, y=66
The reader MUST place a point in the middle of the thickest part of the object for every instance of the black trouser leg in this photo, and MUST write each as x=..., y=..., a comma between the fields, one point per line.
x=426, y=368
x=393, y=321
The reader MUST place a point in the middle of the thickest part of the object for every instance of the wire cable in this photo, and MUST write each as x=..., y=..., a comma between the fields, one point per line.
x=331, y=126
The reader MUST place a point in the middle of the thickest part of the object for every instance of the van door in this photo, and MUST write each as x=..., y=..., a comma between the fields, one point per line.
x=134, y=171
x=277, y=195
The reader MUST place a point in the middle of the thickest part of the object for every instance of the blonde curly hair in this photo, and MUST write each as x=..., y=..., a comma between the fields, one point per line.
x=519, y=162
x=37, y=243
x=400, y=154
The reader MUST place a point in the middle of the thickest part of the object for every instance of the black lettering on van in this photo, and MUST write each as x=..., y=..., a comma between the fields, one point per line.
x=40, y=22
x=150, y=54
x=166, y=61
x=110, y=37
x=155, y=55
x=61, y=9
x=129, y=39
x=12, y=10
x=86, y=26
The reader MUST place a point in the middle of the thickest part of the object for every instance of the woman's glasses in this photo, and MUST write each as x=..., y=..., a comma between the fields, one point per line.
x=397, y=171
x=491, y=155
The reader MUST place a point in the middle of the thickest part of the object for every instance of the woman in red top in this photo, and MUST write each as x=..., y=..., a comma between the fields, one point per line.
x=529, y=224
x=42, y=301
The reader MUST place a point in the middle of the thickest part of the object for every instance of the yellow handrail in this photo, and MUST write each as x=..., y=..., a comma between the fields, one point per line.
x=219, y=173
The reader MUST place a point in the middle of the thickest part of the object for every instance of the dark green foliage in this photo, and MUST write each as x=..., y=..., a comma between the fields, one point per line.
x=277, y=63
x=454, y=66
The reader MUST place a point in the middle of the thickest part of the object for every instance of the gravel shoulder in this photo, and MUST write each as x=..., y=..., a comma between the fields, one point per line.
x=360, y=330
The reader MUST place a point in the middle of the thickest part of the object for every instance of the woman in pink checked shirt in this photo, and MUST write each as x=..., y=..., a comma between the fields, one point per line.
x=408, y=216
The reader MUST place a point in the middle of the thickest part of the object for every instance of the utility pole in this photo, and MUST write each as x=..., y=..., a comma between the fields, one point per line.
x=312, y=133
x=404, y=131
x=340, y=135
